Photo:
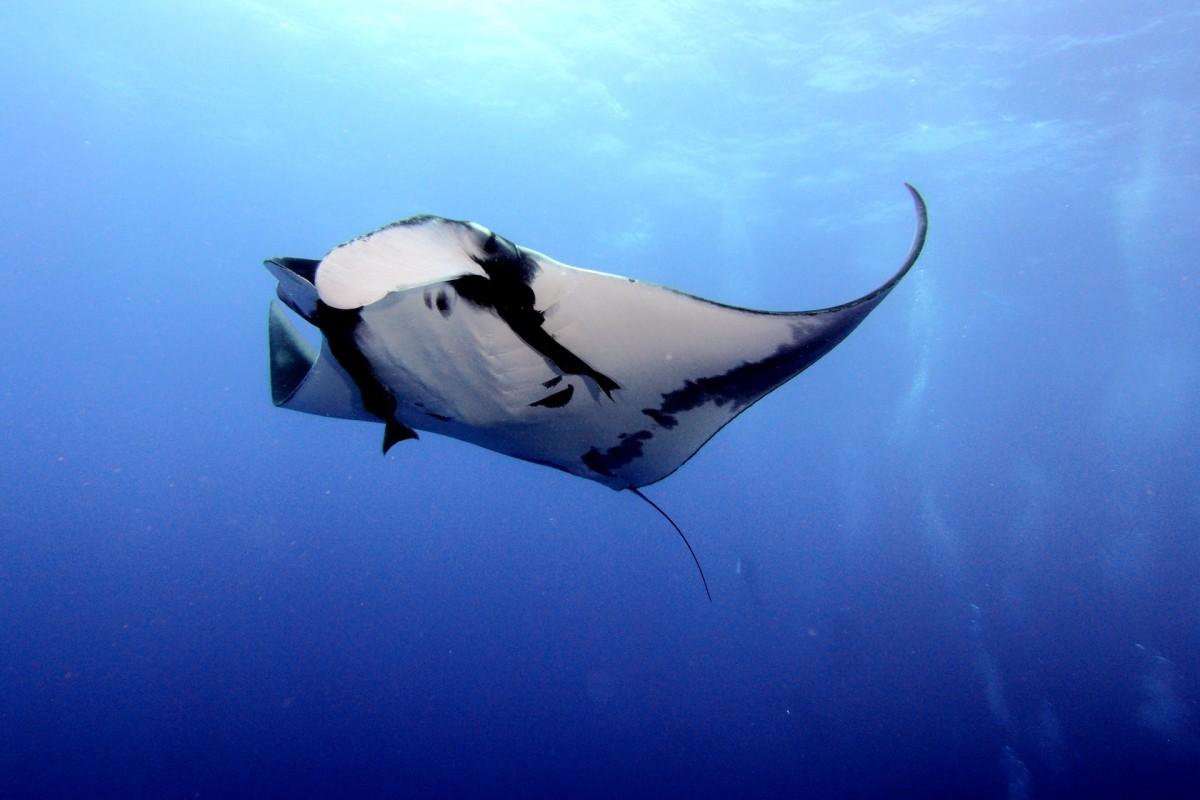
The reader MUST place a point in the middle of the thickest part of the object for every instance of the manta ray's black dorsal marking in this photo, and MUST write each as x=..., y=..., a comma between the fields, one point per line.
x=339, y=327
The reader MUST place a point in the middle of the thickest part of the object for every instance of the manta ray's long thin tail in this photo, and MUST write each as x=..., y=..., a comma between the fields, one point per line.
x=667, y=517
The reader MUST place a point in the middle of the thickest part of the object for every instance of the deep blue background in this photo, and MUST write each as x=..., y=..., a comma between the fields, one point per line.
x=968, y=548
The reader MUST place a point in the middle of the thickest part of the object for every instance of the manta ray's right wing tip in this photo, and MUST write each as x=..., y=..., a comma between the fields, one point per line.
x=919, y=236
x=871, y=299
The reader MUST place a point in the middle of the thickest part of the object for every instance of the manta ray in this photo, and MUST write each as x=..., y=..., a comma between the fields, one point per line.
x=445, y=326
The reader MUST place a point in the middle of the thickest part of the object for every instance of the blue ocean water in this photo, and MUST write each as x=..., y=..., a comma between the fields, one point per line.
x=959, y=557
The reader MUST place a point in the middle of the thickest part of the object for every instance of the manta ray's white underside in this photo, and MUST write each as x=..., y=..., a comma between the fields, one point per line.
x=439, y=325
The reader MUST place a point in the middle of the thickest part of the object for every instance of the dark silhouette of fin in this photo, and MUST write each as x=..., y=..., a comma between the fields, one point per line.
x=396, y=432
